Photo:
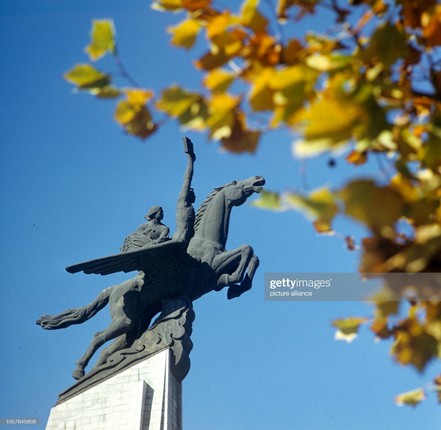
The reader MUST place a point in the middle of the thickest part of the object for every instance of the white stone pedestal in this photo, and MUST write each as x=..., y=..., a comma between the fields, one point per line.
x=146, y=396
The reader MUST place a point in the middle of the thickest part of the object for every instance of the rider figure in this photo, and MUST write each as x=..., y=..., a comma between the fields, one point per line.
x=154, y=231
x=149, y=233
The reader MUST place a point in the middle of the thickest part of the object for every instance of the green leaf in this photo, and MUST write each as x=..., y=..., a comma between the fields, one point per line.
x=86, y=76
x=103, y=39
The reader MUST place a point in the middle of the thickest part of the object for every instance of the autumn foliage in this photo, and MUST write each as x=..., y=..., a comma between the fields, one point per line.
x=365, y=81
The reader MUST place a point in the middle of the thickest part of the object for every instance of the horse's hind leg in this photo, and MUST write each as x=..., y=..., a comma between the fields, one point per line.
x=124, y=298
x=117, y=328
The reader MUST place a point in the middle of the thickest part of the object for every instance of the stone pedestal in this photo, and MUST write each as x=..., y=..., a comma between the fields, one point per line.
x=146, y=396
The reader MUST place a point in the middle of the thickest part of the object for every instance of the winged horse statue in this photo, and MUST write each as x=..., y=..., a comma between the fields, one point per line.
x=190, y=264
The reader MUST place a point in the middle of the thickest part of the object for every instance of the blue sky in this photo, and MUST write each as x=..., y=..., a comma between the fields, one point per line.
x=74, y=186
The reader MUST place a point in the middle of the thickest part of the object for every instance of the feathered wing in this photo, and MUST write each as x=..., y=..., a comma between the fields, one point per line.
x=149, y=257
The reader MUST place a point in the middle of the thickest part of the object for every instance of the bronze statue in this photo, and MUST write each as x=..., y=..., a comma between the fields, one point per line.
x=191, y=264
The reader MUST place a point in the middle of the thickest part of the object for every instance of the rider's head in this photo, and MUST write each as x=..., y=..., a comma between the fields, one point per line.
x=155, y=212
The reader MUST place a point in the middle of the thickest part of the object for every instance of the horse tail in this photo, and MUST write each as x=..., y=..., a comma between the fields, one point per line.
x=76, y=315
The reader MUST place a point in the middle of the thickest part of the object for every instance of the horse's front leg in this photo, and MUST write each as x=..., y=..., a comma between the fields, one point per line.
x=230, y=266
x=237, y=290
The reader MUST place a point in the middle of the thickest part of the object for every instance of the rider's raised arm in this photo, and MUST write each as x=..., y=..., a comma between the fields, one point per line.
x=183, y=198
x=185, y=214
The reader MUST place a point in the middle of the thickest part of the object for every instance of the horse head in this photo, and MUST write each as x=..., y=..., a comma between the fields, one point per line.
x=237, y=192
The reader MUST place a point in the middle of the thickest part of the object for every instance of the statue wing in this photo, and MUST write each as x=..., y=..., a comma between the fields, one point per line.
x=146, y=258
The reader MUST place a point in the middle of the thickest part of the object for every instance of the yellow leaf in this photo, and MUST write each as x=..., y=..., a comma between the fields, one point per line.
x=245, y=141
x=309, y=148
x=251, y=17
x=292, y=86
x=413, y=344
x=347, y=328
x=125, y=112
x=107, y=92
x=190, y=108
x=330, y=123
x=405, y=187
x=86, y=76
x=103, y=39
x=195, y=117
x=357, y=158
x=262, y=50
x=261, y=94
x=133, y=115
x=291, y=53
x=240, y=138
x=268, y=200
x=320, y=205
x=371, y=204
x=218, y=80
x=212, y=60
x=225, y=36
x=196, y=5
x=135, y=100
x=331, y=116
x=222, y=116
x=432, y=27
x=218, y=26
x=326, y=63
x=410, y=398
x=184, y=34
x=176, y=100
x=170, y=5
x=381, y=329
x=138, y=96
x=289, y=76
x=320, y=43
x=387, y=302
x=282, y=8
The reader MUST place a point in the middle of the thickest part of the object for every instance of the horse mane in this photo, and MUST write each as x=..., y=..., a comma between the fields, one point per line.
x=205, y=203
